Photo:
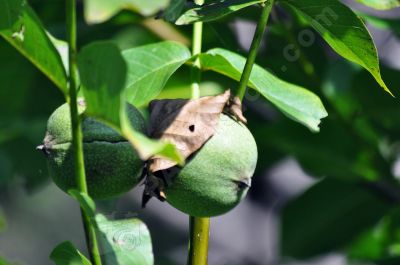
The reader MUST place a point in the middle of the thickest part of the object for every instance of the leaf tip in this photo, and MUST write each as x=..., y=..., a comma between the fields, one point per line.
x=390, y=93
x=383, y=85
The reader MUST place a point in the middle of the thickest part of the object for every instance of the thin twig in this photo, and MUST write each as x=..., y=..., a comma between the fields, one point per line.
x=255, y=44
x=196, y=49
x=77, y=136
x=199, y=227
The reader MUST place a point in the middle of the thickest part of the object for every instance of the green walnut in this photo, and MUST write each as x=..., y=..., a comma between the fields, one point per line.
x=112, y=166
x=217, y=177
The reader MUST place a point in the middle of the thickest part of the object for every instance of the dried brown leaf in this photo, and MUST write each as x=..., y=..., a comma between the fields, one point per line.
x=186, y=123
x=234, y=108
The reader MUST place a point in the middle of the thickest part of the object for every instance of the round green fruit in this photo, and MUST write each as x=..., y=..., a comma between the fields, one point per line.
x=218, y=175
x=112, y=166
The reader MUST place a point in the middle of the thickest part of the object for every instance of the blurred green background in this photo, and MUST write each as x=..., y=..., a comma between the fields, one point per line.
x=327, y=198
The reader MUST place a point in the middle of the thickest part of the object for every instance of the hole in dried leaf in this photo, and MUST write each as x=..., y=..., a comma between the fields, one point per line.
x=171, y=118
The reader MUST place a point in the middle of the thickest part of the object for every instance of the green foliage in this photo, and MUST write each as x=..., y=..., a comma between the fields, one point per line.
x=84, y=200
x=294, y=101
x=383, y=111
x=3, y=261
x=388, y=24
x=329, y=215
x=337, y=152
x=358, y=141
x=213, y=11
x=381, y=4
x=125, y=241
x=10, y=11
x=380, y=243
x=6, y=262
x=66, y=254
x=149, y=67
x=98, y=11
x=174, y=10
x=343, y=30
x=25, y=104
x=20, y=26
x=3, y=223
x=103, y=83
x=373, y=244
x=105, y=96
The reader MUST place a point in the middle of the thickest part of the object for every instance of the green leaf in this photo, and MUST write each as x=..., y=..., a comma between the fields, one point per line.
x=86, y=203
x=3, y=261
x=381, y=4
x=382, y=110
x=3, y=223
x=98, y=11
x=20, y=26
x=388, y=24
x=338, y=154
x=125, y=241
x=10, y=12
x=149, y=67
x=174, y=10
x=389, y=261
x=294, y=101
x=148, y=147
x=342, y=152
x=373, y=244
x=67, y=254
x=343, y=30
x=62, y=48
x=122, y=242
x=379, y=244
x=214, y=11
x=103, y=72
x=327, y=216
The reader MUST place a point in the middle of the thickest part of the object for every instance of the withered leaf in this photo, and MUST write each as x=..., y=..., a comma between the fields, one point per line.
x=186, y=123
x=234, y=108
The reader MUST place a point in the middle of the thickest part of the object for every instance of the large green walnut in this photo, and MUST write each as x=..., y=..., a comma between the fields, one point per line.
x=217, y=177
x=112, y=166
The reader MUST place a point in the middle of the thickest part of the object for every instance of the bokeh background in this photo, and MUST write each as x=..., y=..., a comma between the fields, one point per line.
x=317, y=199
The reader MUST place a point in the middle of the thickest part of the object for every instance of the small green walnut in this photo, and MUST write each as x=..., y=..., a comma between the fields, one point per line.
x=112, y=165
x=217, y=177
